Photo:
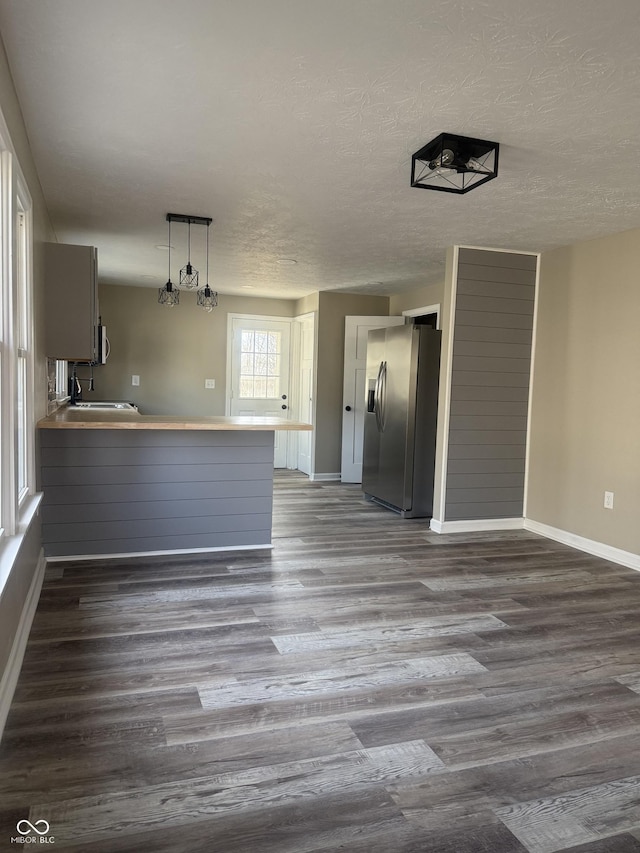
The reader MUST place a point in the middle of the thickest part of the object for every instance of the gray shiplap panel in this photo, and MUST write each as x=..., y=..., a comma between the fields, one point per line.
x=498, y=494
x=492, y=275
x=494, y=319
x=481, y=378
x=487, y=422
x=515, y=408
x=140, y=456
x=491, y=465
x=487, y=305
x=488, y=257
x=245, y=538
x=153, y=438
x=126, y=510
x=480, y=437
x=116, y=493
x=493, y=334
x=501, y=288
x=471, y=482
x=67, y=476
x=151, y=527
x=491, y=365
x=490, y=393
x=487, y=451
x=495, y=349
x=485, y=509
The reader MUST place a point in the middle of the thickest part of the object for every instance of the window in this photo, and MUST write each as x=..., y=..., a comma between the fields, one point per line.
x=17, y=465
x=260, y=364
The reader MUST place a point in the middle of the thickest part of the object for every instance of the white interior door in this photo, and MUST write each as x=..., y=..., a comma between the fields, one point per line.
x=356, y=330
x=306, y=392
x=260, y=373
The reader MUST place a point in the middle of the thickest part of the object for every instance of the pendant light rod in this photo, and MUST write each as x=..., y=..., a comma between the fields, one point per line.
x=207, y=279
x=169, y=247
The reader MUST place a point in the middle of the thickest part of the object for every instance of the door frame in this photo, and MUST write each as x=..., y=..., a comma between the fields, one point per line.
x=428, y=309
x=296, y=384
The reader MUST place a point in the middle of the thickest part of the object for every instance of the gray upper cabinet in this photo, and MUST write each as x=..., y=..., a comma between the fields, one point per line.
x=71, y=301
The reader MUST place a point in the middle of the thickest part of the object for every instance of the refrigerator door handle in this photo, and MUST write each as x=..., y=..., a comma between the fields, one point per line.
x=376, y=398
x=380, y=396
x=383, y=396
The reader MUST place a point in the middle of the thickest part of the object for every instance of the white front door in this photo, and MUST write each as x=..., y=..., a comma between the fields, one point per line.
x=356, y=330
x=260, y=372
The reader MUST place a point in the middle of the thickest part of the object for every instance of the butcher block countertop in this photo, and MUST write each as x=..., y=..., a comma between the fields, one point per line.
x=67, y=418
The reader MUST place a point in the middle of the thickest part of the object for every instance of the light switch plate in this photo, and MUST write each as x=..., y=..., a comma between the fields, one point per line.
x=209, y=383
x=135, y=379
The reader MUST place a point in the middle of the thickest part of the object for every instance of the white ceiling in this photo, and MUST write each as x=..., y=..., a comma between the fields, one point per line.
x=292, y=124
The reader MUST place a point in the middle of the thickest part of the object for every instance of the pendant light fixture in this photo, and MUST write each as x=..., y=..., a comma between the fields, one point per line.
x=168, y=295
x=207, y=298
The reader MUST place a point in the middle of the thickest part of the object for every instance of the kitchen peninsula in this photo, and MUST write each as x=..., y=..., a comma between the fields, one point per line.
x=120, y=483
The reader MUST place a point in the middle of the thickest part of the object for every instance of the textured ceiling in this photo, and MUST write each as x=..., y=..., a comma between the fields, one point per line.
x=292, y=124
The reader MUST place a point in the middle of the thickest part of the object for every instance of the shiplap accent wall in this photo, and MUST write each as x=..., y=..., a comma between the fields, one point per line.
x=126, y=491
x=490, y=384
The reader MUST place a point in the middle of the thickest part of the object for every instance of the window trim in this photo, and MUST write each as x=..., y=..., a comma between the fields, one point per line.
x=16, y=511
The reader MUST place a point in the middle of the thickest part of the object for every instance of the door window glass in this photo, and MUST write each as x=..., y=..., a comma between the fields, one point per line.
x=260, y=364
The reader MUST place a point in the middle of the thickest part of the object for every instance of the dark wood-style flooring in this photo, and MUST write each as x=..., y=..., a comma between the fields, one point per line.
x=368, y=687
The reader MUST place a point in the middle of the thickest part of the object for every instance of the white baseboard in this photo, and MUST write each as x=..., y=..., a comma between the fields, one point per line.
x=598, y=549
x=168, y=553
x=324, y=478
x=12, y=671
x=476, y=525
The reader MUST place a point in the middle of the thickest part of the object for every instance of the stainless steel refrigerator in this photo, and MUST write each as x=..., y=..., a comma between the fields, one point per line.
x=403, y=364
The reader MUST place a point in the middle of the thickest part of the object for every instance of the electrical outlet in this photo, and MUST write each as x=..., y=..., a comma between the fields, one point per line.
x=608, y=500
x=209, y=383
x=135, y=379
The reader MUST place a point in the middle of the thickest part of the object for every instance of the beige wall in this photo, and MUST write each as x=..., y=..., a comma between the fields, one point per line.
x=585, y=427
x=172, y=350
x=429, y=294
x=332, y=309
x=307, y=304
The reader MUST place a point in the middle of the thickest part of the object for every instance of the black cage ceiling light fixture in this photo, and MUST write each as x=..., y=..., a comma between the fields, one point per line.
x=454, y=164
x=169, y=294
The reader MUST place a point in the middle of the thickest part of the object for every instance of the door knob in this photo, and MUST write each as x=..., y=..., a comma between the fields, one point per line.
x=347, y=408
x=284, y=396
x=283, y=406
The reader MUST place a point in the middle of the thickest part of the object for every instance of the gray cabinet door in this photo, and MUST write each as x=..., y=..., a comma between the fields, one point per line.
x=71, y=301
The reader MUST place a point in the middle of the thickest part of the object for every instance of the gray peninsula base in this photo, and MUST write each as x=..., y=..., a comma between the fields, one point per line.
x=112, y=491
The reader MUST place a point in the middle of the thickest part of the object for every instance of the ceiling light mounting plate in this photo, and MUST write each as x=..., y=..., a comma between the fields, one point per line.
x=188, y=219
x=454, y=164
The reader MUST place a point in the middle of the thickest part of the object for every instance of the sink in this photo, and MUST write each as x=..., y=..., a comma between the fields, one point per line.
x=105, y=406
